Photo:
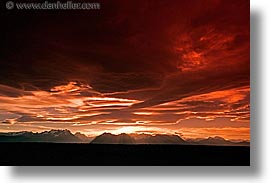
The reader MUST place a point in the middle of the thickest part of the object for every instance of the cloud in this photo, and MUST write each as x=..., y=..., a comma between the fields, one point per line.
x=65, y=103
x=12, y=92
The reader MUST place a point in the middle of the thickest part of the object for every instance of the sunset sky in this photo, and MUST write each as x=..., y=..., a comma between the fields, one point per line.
x=155, y=66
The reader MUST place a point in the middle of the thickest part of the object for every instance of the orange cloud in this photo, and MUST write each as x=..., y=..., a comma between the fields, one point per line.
x=63, y=106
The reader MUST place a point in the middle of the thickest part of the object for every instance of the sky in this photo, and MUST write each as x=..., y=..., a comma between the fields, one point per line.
x=175, y=67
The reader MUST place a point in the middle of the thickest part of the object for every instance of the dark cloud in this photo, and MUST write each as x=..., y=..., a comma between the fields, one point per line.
x=46, y=49
x=12, y=92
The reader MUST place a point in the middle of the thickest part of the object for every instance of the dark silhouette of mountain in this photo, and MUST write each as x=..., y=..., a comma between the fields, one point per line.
x=161, y=139
x=242, y=143
x=83, y=137
x=216, y=141
x=108, y=138
x=60, y=136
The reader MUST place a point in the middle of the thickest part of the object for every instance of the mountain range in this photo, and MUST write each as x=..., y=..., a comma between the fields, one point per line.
x=108, y=138
x=65, y=136
x=217, y=141
x=58, y=136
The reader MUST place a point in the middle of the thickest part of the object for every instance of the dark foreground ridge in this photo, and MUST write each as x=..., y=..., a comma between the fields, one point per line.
x=121, y=154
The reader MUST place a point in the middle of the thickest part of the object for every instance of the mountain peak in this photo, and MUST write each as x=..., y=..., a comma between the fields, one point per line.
x=58, y=132
x=123, y=138
x=217, y=138
x=83, y=137
x=108, y=138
